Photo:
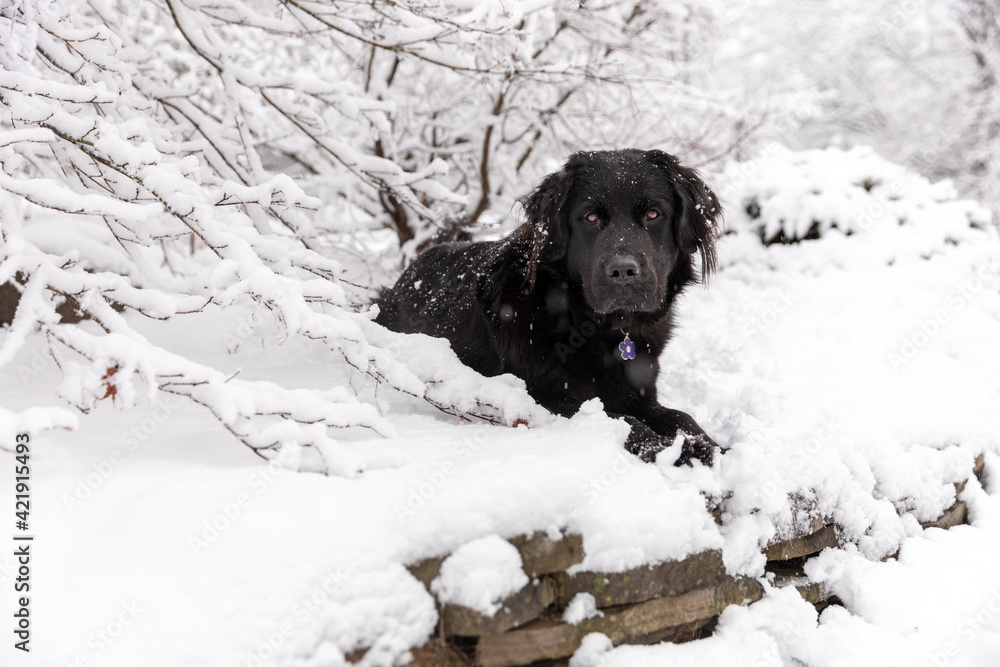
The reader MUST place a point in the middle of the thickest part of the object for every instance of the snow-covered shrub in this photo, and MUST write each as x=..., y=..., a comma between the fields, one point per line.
x=131, y=144
x=167, y=158
x=918, y=81
x=787, y=196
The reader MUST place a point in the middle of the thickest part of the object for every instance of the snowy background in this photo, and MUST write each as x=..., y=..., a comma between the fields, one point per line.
x=232, y=464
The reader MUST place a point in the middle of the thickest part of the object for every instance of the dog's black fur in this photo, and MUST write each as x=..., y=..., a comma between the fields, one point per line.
x=608, y=245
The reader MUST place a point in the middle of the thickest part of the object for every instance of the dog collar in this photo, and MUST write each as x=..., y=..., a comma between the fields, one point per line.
x=626, y=347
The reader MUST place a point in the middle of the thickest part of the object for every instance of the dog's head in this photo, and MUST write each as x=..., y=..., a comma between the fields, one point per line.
x=627, y=224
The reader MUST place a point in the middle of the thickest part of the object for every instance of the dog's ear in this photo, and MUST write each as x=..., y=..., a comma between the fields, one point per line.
x=696, y=223
x=544, y=212
x=546, y=225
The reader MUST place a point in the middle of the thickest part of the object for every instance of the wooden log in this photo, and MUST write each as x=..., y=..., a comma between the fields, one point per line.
x=549, y=639
x=803, y=546
x=525, y=605
x=644, y=583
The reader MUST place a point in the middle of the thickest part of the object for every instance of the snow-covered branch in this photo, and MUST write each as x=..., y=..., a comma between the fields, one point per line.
x=94, y=130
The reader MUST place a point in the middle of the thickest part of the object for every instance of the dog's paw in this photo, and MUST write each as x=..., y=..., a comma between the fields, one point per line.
x=647, y=444
x=643, y=441
x=698, y=447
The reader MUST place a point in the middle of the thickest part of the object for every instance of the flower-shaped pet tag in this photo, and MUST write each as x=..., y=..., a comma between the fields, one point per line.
x=627, y=348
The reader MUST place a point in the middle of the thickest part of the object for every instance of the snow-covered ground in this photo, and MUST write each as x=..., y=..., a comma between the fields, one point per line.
x=861, y=371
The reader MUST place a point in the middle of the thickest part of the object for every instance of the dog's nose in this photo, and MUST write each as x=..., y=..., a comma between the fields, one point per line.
x=622, y=268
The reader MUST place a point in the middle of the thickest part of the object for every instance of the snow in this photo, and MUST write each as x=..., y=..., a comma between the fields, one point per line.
x=479, y=574
x=592, y=649
x=854, y=191
x=855, y=372
x=233, y=465
x=580, y=608
x=937, y=604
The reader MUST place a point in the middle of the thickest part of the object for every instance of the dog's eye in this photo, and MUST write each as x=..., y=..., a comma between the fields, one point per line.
x=652, y=214
x=592, y=217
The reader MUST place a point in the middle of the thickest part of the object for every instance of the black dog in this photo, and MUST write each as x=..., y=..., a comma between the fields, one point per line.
x=577, y=301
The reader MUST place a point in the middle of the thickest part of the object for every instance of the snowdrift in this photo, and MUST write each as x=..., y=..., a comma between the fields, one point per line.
x=851, y=377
